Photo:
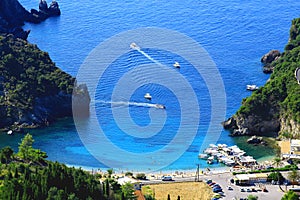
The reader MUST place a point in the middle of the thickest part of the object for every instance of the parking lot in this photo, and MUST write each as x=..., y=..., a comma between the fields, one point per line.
x=241, y=192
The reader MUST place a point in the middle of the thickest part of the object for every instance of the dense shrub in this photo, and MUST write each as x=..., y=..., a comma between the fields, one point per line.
x=280, y=95
x=27, y=73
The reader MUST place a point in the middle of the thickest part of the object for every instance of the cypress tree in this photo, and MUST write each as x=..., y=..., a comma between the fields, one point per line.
x=107, y=190
x=16, y=175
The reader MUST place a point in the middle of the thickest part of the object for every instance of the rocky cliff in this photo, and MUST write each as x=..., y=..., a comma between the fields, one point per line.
x=13, y=15
x=33, y=91
x=276, y=106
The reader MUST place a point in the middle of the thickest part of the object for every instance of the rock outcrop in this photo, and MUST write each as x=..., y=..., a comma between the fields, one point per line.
x=13, y=15
x=273, y=108
x=289, y=125
x=250, y=125
x=268, y=58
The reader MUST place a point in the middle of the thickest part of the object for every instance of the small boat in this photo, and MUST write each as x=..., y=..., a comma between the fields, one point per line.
x=252, y=87
x=9, y=132
x=134, y=46
x=210, y=160
x=203, y=156
x=160, y=106
x=148, y=96
x=176, y=65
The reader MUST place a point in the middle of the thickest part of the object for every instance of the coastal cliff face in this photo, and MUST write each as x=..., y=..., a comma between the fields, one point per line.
x=13, y=15
x=276, y=106
x=33, y=91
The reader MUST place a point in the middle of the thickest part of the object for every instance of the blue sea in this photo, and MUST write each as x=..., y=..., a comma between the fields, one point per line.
x=126, y=131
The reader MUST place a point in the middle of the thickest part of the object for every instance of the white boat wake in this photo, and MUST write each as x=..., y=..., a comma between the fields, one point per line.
x=138, y=104
x=136, y=47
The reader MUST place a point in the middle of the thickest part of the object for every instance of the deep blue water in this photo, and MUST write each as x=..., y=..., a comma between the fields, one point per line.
x=234, y=33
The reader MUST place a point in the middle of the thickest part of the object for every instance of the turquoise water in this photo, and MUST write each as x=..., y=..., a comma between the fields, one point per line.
x=234, y=33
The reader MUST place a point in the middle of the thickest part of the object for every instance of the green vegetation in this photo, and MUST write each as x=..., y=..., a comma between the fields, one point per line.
x=285, y=168
x=128, y=191
x=141, y=176
x=252, y=197
x=280, y=95
x=26, y=73
x=290, y=196
x=275, y=176
x=27, y=175
x=293, y=176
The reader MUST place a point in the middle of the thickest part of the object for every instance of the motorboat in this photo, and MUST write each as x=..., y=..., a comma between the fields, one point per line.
x=160, y=106
x=134, y=46
x=10, y=132
x=176, y=65
x=148, y=96
x=252, y=87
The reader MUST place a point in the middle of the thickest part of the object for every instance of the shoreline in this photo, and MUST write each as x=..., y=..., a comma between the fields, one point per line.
x=182, y=173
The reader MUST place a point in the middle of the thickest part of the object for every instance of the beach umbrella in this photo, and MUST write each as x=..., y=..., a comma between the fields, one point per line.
x=297, y=74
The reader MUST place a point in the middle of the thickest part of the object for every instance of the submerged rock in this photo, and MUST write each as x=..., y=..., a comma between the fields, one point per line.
x=255, y=140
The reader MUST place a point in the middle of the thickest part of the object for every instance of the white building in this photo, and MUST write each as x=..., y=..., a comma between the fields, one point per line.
x=136, y=183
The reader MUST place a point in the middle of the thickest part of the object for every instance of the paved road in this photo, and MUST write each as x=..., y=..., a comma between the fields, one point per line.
x=274, y=192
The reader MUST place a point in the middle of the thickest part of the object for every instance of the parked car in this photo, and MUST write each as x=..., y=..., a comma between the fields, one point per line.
x=167, y=178
x=229, y=187
x=208, y=181
x=212, y=183
x=216, y=190
x=242, y=190
x=221, y=193
x=215, y=185
x=249, y=190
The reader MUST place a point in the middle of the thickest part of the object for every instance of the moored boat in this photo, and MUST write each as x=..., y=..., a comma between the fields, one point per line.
x=203, y=156
x=252, y=87
x=210, y=160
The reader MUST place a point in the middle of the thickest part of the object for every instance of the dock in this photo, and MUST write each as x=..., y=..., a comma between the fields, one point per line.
x=230, y=156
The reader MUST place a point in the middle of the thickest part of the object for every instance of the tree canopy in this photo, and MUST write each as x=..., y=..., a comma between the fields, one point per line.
x=24, y=176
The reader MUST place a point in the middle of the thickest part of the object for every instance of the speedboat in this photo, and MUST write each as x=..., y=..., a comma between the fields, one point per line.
x=134, y=46
x=176, y=65
x=148, y=96
x=252, y=87
x=160, y=106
